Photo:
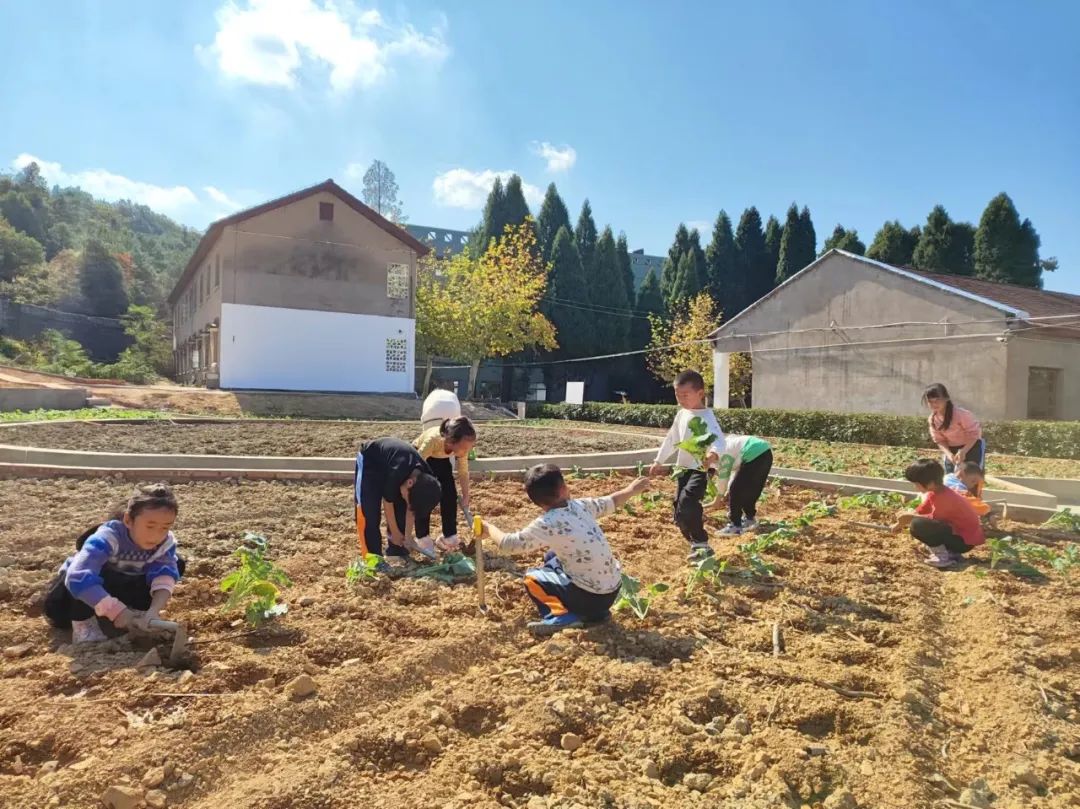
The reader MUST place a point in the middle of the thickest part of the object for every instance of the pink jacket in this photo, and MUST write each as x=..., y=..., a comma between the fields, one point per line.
x=964, y=429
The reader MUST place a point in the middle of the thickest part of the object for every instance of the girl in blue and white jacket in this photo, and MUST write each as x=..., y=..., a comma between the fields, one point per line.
x=124, y=569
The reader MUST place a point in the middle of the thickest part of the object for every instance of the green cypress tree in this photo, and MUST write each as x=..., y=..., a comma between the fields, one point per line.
x=893, y=244
x=650, y=300
x=101, y=281
x=842, y=239
x=516, y=209
x=790, y=247
x=725, y=281
x=626, y=270
x=491, y=227
x=934, y=248
x=567, y=296
x=670, y=272
x=608, y=290
x=807, y=238
x=553, y=216
x=1007, y=250
x=774, y=235
x=686, y=281
x=752, y=259
x=701, y=270
x=585, y=234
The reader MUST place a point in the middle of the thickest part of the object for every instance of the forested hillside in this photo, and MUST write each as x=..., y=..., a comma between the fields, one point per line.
x=61, y=247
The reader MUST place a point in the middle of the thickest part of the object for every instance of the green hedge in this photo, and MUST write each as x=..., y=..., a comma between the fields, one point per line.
x=1042, y=439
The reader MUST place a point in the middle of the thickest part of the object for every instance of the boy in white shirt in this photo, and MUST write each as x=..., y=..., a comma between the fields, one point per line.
x=691, y=484
x=580, y=577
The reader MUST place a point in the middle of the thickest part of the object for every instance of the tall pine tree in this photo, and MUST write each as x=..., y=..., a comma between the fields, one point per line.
x=1007, y=249
x=491, y=226
x=650, y=300
x=553, y=215
x=670, y=272
x=686, y=281
x=566, y=295
x=774, y=235
x=701, y=270
x=893, y=244
x=807, y=237
x=756, y=270
x=725, y=281
x=626, y=270
x=934, y=248
x=842, y=239
x=607, y=290
x=961, y=258
x=585, y=235
x=790, y=247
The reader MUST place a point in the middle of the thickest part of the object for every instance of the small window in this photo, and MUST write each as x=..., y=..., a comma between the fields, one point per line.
x=217, y=271
x=397, y=354
x=326, y=211
x=397, y=281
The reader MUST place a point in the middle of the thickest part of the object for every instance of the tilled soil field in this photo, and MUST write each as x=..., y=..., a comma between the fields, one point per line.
x=899, y=686
x=304, y=438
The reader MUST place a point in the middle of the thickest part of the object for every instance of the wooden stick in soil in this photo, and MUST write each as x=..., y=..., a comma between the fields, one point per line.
x=777, y=639
x=478, y=529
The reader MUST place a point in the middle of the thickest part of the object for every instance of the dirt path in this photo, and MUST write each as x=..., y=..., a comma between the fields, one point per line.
x=422, y=702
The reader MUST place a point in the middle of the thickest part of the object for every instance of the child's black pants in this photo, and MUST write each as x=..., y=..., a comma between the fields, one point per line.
x=444, y=471
x=935, y=533
x=747, y=486
x=689, y=514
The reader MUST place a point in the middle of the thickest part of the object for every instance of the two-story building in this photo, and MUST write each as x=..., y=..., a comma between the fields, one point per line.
x=313, y=291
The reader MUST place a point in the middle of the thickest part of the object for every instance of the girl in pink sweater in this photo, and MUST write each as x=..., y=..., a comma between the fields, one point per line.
x=955, y=430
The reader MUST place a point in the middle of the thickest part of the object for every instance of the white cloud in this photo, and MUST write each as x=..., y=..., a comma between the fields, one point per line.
x=266, y=42
x=702, y=226
x=356, y=171
x=558, y=160
x=462, y=188
x=106, y=185
x=221, y=198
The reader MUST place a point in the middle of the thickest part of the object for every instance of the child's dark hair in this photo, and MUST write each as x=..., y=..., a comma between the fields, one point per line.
x=925, y=472
x=691, y=378
x=457, y=429
x=938, y=391
x=425, y=494
x=149, y=496
x=972, y=468
x=543, y=483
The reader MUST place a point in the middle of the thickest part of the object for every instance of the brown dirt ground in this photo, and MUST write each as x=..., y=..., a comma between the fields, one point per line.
x=422, y=702
x=304, y=439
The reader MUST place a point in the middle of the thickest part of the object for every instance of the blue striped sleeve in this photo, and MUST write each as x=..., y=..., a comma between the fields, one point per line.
x=83, y=577
x=164, y=565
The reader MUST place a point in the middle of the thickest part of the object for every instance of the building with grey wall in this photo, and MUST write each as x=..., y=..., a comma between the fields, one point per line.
x=851, y=334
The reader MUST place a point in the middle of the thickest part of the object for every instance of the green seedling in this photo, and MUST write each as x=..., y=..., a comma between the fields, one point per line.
x=636, y=598
x=363, y=568
x=1010, y=553
x=814, y=511
x=1064, y=520
x=454, y=567
x=879, y=501
x=254, y=584
x=642, y=468
x=706, y=571
x=472, y=454
x=752, y=551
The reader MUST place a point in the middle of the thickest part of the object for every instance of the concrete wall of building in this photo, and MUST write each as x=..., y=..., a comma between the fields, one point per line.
x=811, y=350
x=288, y=257
x=273, y=348
x=1052, y=352
x=26, y=399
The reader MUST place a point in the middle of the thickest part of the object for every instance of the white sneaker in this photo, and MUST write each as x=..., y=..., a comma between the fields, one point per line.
x=698, y=551
x=749, y=524
x=731, y=530
x=426, y=546
x=450, y=543
x=87, y=631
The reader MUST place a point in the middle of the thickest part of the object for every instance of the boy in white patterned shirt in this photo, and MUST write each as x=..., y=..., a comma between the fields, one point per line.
x=580, y=577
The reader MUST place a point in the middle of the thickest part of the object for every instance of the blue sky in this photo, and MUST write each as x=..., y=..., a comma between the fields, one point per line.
x=863, y=111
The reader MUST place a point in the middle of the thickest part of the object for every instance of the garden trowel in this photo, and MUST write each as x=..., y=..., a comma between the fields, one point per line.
x=180, y=638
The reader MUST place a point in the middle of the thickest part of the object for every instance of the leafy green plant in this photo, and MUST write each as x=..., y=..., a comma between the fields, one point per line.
x=636, y=598
x=752, y=551
x=698, y=445
x=707, y=570
x=880, y=501
x=472, y=454
x=454, y=567
x=1010, y=553
x=814, y=510
x=1064, y=520
x=363, y=568
x=254, y=584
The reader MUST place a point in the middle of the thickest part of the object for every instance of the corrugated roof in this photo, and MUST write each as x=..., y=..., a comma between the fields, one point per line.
x=329, y=186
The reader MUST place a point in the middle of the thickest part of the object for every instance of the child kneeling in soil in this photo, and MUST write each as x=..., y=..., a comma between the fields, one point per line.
x=968, y=481
x=391, y=478
x=124, y=569
x=743, y=470
x=944, y=521
x=449, y=439
x=580, y=577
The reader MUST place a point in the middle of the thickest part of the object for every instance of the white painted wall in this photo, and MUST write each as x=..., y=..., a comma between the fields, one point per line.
x=272, y=348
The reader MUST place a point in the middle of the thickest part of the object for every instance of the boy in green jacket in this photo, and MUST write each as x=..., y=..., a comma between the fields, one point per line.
x=743, y=469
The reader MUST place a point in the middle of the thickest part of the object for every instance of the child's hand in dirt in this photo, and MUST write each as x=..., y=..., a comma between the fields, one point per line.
x=127, y=619
x=903, y=519
x=640, y=485
x=655, y=470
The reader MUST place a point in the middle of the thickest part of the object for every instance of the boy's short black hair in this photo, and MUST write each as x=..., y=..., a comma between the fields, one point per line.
x=972, y=468
x=543, y=483
x=425, y=494
x=691, y=378
x=925, y=471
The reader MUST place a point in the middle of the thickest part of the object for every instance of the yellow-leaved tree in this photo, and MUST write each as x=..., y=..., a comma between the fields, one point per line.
x=681, y=343
x=468, y=309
